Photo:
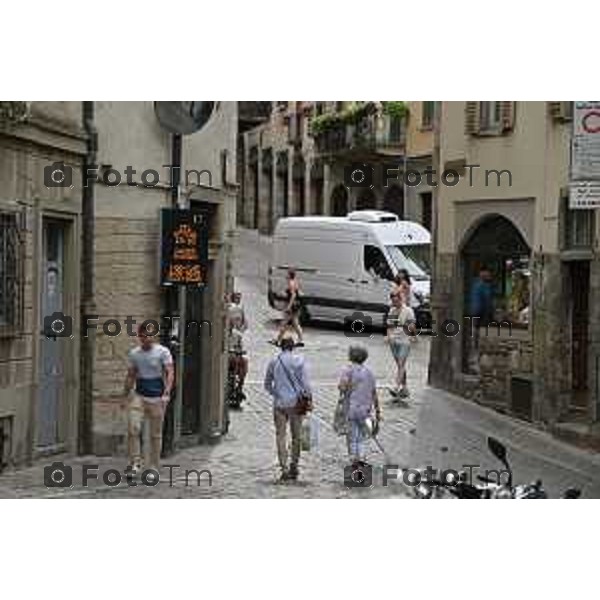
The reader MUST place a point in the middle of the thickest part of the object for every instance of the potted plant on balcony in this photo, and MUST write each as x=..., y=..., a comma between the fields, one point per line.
x=394, y=108
x=327, y=130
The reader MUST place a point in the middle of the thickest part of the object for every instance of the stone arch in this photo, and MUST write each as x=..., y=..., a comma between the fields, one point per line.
x=393, y=200
x=339, y=201
x=494, y=234
x=495, y=242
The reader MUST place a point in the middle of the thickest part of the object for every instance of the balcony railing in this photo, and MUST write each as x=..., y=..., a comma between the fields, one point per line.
x=379, y=133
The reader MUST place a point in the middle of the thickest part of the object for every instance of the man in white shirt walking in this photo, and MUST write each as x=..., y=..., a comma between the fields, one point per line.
x=150, y=373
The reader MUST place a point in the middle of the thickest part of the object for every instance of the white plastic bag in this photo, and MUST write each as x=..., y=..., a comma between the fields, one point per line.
x=309, y=434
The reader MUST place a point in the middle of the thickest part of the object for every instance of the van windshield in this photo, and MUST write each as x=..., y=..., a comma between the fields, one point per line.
x=415, y=259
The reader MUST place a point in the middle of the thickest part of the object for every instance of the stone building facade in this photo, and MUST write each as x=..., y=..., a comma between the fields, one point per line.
x=292, y=169
x=128, y=250
x=510, y=213
x=41, y=270
x=39, y=273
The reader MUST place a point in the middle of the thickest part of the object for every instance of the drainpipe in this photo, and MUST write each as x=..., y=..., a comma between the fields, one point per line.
x=178, y=201
x=435, y=195
x=88, y=303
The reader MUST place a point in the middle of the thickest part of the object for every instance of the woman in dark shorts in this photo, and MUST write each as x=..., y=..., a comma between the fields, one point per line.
x=291, y=313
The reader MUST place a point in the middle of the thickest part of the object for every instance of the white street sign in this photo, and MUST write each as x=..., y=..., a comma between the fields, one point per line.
x=585, y=156
x=584, y=194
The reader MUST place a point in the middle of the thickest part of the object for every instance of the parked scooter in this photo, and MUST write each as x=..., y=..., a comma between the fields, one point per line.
x=530, y=491
x=489, y=488
x=235, y=393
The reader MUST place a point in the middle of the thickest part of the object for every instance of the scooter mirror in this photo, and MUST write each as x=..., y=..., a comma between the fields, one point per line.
x=497, y=449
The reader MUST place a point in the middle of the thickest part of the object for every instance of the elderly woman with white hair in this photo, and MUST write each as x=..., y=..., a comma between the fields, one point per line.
x=358, y=387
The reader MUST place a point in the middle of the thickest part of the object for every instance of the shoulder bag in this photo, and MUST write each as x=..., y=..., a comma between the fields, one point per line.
x=303, y=398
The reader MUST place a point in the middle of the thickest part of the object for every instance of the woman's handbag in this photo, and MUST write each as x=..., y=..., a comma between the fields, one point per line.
x=340, y=416
x=304, y=403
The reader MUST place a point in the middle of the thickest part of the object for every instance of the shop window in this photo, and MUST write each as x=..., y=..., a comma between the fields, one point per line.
x=514, y=297
x=498, y=246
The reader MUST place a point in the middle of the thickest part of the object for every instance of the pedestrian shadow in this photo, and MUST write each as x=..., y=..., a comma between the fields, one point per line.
x=277, y=482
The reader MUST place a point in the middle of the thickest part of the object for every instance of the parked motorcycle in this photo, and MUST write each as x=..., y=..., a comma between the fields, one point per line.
x=488, y=487
x=530, y=491
x=449, y=488
x=235, y=393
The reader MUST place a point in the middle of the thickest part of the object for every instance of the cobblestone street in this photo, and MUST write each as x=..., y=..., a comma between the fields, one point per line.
x=435, y=429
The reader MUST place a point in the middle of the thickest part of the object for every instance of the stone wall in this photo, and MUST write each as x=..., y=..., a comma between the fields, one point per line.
x=51, y=133
x=446, y=352
x=551, y=342
x=540, y=353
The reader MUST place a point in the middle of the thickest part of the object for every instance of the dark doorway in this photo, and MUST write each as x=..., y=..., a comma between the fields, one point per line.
x=253, y=184
x=196, y=334
x=317, y=184
x=298, y=177
x=339, y=201
x=281, y=172
x=267, y=172
x=52, y=409
x=393, y=201
x=366, y=200
x=579, y=282
x=427, y=210
x=256, y=193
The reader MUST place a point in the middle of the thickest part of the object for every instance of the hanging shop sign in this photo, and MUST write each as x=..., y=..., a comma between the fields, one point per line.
x=184, y=248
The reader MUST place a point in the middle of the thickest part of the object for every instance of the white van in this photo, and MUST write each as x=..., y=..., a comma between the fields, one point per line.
x=347, y=264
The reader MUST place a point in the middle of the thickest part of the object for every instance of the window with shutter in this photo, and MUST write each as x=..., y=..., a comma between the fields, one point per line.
x=507, y=115
x=472, y=118
x=561, y=111
x=427, y=114
x=490, y=117
x=579, y=227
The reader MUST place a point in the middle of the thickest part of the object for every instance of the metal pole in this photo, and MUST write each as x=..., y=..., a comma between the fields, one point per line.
x=178, y=412
x=180, y=202
x=87, y=305
x=437, y=166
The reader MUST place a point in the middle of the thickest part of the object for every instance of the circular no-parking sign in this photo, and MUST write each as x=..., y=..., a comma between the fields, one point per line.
x=591, y=121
